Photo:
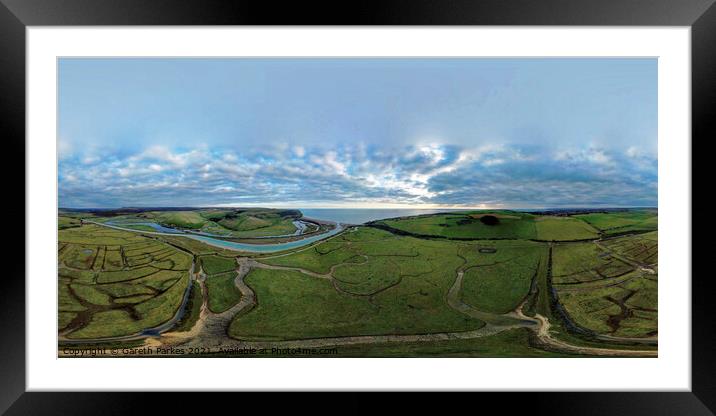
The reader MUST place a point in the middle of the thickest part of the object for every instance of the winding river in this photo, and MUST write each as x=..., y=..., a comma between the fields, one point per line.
x=230, y=245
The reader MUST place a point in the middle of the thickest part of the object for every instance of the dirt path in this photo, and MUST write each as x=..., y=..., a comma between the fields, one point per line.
x=210, y=332
x=544, y=336
x=211, y=329
x=539, y=324
x=507, y=321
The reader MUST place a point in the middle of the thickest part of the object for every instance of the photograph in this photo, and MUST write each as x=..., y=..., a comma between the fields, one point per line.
x=239, y=197
x=357, y=207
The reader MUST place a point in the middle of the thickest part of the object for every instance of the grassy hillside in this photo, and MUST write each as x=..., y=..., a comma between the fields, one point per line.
x=181, y=219
x=621, y=222
x=64, y=222
x=553, y=228
x=238, y=223
x=468, y=225
x=516, y=225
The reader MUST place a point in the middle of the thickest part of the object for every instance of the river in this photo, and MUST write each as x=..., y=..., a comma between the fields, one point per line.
x=266, y=248
x=231, y=245
x=340, y=216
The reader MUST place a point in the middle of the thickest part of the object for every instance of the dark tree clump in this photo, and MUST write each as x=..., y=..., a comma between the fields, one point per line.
x=489, y=220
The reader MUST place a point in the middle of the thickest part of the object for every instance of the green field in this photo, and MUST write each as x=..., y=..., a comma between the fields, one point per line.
x=641, y=248
x=181, y=219
x=584, y=262
x=552, y=228
x=610, y=287
x=511, y=225
x=195, y=247
x=593, y=277
x=223, y=294
x=622, y=222
x=498, y=284
x=515, y=225
x=234, y=223
x=220, y=272
x=293, y=306
x=319, y=258
x=383, y=284
x=114, y=283
x=67, y=222
x=217, y=264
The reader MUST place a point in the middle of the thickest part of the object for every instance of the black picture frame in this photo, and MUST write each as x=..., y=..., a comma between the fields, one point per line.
x=16, y=15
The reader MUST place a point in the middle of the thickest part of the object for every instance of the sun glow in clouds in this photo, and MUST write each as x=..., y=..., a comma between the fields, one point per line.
x=352, y=133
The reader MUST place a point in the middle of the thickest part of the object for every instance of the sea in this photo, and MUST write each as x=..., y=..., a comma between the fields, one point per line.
x=363, y=215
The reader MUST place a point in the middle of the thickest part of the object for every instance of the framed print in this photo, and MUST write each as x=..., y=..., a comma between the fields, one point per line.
x=374, y=201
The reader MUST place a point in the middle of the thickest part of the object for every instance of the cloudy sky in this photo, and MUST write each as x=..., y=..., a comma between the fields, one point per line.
x=519, y=133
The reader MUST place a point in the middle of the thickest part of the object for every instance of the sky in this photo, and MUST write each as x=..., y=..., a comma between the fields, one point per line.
x=357, y=133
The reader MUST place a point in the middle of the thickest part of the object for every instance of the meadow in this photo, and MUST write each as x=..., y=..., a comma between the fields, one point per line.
x=623, y=221
x=519, y=225
x=610, y=287
x=220, y=275
x=564, y=229
x=229, y=223
x=593, y=277
x=114, y=283
x=498, y=282
x=468, y=225
x=379, y=284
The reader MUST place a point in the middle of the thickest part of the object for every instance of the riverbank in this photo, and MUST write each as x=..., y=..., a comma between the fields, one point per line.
x=236, y=246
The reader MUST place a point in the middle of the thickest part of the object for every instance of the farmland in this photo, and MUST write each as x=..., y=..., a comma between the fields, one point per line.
x=467, y=284
x=219, y=282
x=564, y=229
x=610, y=287
x=622, y=222
x=381, y=284
x=229, y=223
x=511, y=226
x=518, y=225
x=498, y=282
x=114, y=283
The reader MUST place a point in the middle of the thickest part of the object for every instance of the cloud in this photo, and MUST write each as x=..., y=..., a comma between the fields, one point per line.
x=64, y=148
x=443, y=174
x=587, y=177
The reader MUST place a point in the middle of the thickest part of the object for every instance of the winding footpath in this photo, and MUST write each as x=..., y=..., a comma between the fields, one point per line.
x=210, y=331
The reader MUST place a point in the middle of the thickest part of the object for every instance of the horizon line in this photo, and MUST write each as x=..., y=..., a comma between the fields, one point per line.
x=363, y=207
